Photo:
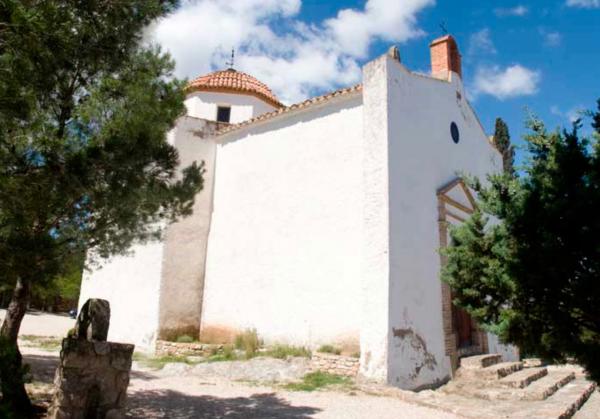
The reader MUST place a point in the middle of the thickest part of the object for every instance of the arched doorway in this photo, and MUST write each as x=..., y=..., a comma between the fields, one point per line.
x=462, y=336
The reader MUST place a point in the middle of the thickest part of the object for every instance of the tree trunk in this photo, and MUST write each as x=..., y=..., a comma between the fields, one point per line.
x=14, y=396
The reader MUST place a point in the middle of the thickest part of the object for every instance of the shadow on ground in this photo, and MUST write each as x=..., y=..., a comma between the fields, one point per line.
x=42, y=367
x=172, y=404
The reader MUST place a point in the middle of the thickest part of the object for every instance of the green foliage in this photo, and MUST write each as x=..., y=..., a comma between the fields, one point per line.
x=318, y=380
x=248, y=341
x=330, y=349
x=158, y=362
x=284, y=351
x=532, y=274
x=85, y=166
x=502, y=143
x=65, y=286
x=185, y=339
x=84, y=161
x=228, y=354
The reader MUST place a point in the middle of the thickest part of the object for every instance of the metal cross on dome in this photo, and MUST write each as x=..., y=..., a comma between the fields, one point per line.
x=443, y=27
x=231, y=62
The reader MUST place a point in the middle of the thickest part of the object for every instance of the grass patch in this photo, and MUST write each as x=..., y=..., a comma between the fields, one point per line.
x=50, y=344
x=318, y=380
x=227, y=355
x=158, y=362
x=283, y=351
x=329, y=349
x=249, y=342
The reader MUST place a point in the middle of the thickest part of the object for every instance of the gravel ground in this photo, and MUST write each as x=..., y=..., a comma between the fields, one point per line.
x=37, y=323
x=210, y=391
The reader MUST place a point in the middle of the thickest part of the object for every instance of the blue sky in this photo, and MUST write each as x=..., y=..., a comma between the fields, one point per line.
x=532, y=54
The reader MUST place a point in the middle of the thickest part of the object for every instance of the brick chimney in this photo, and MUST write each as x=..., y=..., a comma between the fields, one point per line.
x=445, y=57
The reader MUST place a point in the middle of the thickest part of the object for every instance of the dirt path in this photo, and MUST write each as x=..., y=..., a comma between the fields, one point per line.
x=194, y=397
x=173, y=395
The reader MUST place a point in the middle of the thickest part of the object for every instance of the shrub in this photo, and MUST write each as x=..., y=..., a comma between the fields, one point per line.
x=283, y=351
x=248, y=341
x=227, y=355
x=184, y=339
x=329, y=349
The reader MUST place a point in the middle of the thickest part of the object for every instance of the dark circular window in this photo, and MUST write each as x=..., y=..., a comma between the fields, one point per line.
x=454, y=132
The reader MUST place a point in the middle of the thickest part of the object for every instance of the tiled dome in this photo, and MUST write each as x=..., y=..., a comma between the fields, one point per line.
x=231, y=80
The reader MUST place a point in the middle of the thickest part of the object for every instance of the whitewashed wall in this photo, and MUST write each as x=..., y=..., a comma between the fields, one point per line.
x=243, y=107
x=422, y=157
x=158, y=286
x=284, y=252
x=131, y=284
x=375, y=284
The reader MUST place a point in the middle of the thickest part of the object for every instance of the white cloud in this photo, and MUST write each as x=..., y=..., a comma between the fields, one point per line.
x=519, y=10
x=506, y=83
x=294, y=58
x=584, y=4
x=481, y=42
x=551, y=38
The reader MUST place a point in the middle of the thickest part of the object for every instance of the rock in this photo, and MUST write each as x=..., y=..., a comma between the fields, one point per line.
x=93, y=320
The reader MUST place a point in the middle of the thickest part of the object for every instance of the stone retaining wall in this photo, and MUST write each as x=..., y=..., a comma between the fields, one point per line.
x=335, y=364
x=164, y=347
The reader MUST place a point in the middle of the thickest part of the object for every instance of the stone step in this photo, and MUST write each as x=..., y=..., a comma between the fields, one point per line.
x=523, y=378
x=480, y=361
x=591, y=408
x=548, y=385
x=502, y=369
x=485, y=375
x=566, y=401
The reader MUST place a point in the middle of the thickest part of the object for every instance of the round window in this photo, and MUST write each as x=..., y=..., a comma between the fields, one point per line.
x=454, y=132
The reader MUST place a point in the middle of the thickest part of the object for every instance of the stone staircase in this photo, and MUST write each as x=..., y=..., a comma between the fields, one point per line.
x=486, y=387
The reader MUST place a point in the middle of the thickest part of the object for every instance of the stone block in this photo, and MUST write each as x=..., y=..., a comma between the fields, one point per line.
x=91, y=380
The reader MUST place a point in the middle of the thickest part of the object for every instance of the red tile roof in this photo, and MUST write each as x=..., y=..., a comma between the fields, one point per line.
x=234, y=81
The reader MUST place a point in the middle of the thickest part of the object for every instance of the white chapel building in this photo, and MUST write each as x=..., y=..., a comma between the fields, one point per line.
x=319, y=223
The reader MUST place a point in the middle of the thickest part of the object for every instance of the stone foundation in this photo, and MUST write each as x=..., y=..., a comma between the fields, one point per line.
x=335, y=364
x=164, y=347
x=91, y=380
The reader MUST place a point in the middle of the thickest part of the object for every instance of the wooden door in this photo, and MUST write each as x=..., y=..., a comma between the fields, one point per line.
x=463, y=327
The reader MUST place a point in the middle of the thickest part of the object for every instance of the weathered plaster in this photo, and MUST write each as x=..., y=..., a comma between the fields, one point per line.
x=422, y=157
x=184, y=254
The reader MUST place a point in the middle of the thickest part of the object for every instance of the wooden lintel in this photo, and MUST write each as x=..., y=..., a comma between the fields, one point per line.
x=456, y=204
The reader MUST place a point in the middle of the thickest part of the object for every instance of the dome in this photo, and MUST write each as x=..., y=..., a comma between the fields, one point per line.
x=234, y=81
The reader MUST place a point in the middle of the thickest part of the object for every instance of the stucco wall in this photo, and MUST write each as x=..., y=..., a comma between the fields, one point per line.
x=374, y=332
x=131, y=284
x=184, y=252
x=243, y=107
x=422, y=157
x=159, y=285
x=285, y=242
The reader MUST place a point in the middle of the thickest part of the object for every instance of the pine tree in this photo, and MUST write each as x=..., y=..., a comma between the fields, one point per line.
x=504, y=146
x=533, y=275
x=84, y=163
